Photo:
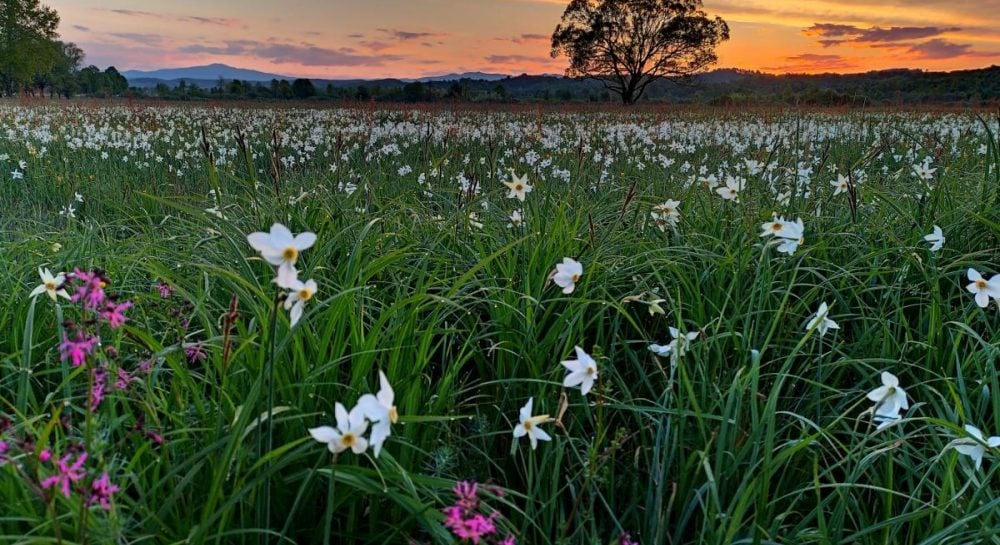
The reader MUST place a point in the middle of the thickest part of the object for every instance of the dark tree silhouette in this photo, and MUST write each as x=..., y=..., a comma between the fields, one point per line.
x=628, y=44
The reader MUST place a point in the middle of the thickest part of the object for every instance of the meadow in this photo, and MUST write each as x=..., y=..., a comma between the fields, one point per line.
x=624, y=327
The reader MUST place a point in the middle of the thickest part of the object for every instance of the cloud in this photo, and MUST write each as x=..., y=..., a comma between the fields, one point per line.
x=517, y=59
x=81, y=28
x=405, y=35
x=525, y=38
x=875, y=34
x=140, y=38
x=813, y=62
x=197, y=19
x=305, y=55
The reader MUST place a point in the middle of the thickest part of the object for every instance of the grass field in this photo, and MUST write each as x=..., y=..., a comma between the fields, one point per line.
x=763, y=422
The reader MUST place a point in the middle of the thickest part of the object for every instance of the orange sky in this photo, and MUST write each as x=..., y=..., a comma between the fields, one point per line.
x=408, y=38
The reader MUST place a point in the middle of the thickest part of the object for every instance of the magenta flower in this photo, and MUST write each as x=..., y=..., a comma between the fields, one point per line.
x=626, y=539
x=100, y=492
x=99, y=388
x=165, y=289
x=45, y=455
x=466, y=522
x=90, y=290
x=114, y=314
x=195, y=353
x=67, y=474
x=123, y=380
x=77, y=349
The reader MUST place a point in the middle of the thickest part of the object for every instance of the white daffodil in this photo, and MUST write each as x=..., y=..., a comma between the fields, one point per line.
x=519, y=187
x=821, y=321
x=889, y=400
x=300, y=294
x=380, y=409
x=528, y=425
x=840, y=186
x=677, y=347
x=789, y=234
x=516, y=219
x=936, y=239
x=731, y=191
x=924, y=171
x=582, y=371
x=52, y=285
x=666, y=214
x=975, y=445
x=347, y=435
x=280, y=247
x=983, y=289
x=567, y=274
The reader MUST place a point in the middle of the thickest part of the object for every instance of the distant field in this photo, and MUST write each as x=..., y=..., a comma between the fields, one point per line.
x=781, y=351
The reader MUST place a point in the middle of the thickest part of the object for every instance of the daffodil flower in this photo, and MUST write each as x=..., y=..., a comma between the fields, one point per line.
x=936, y=239
x=52, y=285
x=582, y=371
x=379, y=408
x=300, y=294
x=567, y=274
x=984, y=290
x=347, y=435
x=528, y=425
x=519, y=187
x=975, y=445
x=889, y=400
x=821, y=321
x=280, y=247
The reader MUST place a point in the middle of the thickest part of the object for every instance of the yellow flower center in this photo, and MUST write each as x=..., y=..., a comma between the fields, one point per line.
x=103, y=284
x=348, y=439
x=981, y=284
x=591, y=370
x=50, y=285
x=290, y=254
x=518, y=187
x=527, y=424
x=305, y=294
x=575, y=278
x=393, y=415
x=775, y=227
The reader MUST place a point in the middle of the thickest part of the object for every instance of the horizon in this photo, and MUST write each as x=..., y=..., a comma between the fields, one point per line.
x=398, y=39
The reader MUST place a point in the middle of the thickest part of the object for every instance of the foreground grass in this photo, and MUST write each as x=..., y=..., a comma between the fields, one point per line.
x=757, y=435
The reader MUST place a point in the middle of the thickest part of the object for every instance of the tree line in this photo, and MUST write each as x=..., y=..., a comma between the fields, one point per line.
x=34, y=61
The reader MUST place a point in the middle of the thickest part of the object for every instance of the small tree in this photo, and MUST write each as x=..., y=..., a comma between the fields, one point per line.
x=628, y=44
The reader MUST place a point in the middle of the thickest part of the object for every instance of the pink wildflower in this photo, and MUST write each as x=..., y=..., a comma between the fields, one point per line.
x=123, y=380
x=99, y=388
x=77, y=349
x=195, y=353
x=165, y=289
x=67, y=474
x=45, y=455
x=101, y=491
x=90, y=290
x=114, y=313
x=626, y=539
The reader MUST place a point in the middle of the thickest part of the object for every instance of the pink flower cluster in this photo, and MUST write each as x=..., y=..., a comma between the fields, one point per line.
x=77, y=349
x=467, y=523
x=89, y=288
x=68, y=473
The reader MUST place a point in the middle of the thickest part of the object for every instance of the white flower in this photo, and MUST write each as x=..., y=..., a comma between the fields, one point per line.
x=51, y=285
x=516, y=219
x=731, y=191
x=519, y=187
x=677, y=347
x=924, y=171
x=379, y=408
x=300, y=294
x=889, y=400
x=788, y=234
x=975, y=446
x=16, y=175
x=582, y=371
x=840, y=186
x=983, y=289
x=528, y=425
x=68, y=211
x=936, y=239
x=280, y=247
x=821, y=321
x=348, y=433
x=77, y=197
x=567, y=274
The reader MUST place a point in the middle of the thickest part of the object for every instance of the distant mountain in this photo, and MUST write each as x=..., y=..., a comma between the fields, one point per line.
x=479, y=76
x=207, y=72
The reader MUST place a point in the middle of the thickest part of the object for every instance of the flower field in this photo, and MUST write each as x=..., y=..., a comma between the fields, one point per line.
x=250, y=325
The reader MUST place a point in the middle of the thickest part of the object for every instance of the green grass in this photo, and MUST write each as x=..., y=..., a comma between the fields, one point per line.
x=759, y=435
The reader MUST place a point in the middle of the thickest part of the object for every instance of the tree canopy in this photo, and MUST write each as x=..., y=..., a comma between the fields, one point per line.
x=32, y=58
x=628, y=44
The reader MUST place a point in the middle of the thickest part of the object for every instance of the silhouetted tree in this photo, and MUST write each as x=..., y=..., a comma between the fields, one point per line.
x=303, y=88
x=628, y=44
x=27, y=43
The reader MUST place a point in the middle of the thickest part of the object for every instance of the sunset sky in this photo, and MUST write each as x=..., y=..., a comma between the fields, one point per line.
x=411, y=38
